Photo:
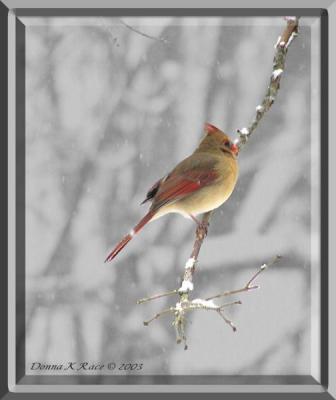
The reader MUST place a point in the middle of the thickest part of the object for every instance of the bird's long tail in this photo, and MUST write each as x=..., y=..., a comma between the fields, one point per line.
x=123, y=242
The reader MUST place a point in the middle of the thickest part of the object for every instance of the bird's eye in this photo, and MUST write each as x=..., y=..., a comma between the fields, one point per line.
x=226, y=146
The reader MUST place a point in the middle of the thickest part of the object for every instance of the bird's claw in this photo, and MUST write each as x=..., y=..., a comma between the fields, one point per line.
x=202, y=230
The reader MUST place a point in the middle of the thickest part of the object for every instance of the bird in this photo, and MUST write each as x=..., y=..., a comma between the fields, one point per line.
x=200, y=183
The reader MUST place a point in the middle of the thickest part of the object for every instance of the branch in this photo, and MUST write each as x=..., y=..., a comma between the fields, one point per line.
x=248, y=286
x=281, y=48
x=189, y=270
x=185, y=304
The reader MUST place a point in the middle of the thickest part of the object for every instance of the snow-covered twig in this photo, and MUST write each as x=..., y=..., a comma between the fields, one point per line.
x=279, y=59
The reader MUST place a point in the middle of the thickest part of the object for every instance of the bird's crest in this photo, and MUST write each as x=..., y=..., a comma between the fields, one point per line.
x=216, y=133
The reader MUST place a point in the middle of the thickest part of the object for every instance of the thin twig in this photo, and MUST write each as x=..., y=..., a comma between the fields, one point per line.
x=158, y=315
x=262, y=268
x=230, y=304
x=146, y=35
x=157, y=296
x=248, y=286
x=228, y=321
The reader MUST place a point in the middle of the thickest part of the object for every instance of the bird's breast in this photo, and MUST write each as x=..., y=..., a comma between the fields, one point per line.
x=208, y=197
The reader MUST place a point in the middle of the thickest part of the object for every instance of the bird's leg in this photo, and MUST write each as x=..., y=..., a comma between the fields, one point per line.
x=202, y=227
x=195, y=219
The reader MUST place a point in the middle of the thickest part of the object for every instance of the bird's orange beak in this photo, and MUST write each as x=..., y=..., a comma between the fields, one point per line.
x=234, y=149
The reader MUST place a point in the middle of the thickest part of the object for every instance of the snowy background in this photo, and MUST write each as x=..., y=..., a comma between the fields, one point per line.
x=108, y=112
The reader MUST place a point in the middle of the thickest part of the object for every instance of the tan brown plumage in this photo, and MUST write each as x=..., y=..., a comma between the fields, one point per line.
x=199, y=183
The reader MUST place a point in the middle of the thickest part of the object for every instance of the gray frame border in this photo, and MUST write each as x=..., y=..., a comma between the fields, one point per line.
x=329, y=391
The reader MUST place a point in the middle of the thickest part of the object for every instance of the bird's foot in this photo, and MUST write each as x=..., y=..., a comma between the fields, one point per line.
x=202, y=227
x=202, y=230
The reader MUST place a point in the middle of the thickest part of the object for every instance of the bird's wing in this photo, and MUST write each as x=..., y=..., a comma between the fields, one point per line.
x=186, y=178
x=153, y=190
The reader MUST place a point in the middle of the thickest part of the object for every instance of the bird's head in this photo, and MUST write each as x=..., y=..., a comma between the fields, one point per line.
x=216, y=140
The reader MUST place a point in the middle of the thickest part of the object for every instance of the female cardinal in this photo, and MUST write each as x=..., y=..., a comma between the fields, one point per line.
x=199, y=183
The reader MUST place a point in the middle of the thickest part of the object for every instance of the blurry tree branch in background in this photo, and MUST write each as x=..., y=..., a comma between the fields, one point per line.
x=159, y=39
x=185, y=304
x=84, y=173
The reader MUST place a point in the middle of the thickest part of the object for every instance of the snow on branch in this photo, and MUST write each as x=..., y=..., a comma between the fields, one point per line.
x=281, y=48
x=185, y=304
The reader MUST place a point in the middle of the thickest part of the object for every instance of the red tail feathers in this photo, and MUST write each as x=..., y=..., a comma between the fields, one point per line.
x=130, y=235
